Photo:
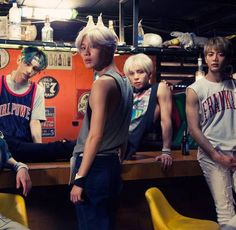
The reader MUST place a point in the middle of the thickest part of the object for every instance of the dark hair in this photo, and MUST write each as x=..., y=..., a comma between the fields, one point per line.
x=29, y=53
x=220, y=44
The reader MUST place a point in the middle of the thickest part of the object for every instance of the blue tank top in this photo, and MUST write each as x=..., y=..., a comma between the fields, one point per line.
x=15, y=111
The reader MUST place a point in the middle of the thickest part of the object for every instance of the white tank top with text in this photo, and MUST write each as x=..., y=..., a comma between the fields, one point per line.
x=217, y=111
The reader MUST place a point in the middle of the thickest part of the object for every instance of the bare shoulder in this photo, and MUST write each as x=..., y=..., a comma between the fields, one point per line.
x=191, y=95
x=164, y=85
x=191, y=92
x=104, y=84
x=106, y=80
x=163, y=90
x=104, y=92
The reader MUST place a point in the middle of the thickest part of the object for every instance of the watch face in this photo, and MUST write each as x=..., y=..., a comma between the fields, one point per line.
x=4, y=58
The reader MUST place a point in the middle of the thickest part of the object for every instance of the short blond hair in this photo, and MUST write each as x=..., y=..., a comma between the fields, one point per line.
x=141, y=60
x=98, y=35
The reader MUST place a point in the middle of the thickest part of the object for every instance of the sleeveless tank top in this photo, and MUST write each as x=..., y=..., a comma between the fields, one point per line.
x=15, y=111
x=116, y=127
x=217, y=111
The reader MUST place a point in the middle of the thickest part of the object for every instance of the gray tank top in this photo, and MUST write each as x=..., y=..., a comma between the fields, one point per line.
x=117, y=126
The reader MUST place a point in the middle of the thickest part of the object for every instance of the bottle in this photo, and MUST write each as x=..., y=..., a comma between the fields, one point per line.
x=27, y=33
x=111, y=28
x=199, y=73
x=140, y=33
x=100, y=21
x=68, y=60
x=14, y=22
x=50, y=60
x=185, y=143
x=55, y=60
x=47, y=31
x=64, y=59
x=59, y=62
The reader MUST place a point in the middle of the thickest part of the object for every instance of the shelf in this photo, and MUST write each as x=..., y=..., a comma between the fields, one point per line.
x=16, y=44
x=4, y=43
x=174, y=64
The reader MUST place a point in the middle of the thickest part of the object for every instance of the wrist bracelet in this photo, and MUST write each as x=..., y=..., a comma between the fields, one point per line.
x=166, y=150
x=80, y=182
x=20, y=165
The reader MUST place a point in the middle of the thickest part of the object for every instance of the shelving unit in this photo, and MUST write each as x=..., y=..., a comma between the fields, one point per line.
x=175, y=65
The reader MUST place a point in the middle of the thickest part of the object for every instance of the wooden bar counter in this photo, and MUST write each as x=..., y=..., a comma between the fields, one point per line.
x=142, y=167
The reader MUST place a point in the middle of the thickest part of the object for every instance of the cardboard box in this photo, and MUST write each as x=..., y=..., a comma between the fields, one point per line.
x=3, y=27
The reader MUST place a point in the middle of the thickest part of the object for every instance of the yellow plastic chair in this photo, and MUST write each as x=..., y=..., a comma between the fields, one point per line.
x=13, y=207
x=164, y=217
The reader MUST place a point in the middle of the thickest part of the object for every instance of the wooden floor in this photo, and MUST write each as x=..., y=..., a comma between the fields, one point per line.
x=49, y=207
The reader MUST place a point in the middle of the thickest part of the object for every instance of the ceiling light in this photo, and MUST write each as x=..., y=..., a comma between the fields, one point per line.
x=54, y=14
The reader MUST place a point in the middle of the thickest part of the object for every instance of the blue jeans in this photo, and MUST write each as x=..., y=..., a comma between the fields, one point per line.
x=102, y=187
x=221, y=182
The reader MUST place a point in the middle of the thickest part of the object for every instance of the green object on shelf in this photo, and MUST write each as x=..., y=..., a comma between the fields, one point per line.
x=179, y=100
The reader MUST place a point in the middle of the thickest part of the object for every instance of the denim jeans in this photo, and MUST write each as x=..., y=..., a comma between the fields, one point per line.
x=221, y=182
x=102, y=187
x=39, y=152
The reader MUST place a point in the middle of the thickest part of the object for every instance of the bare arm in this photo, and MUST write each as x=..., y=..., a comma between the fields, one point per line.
x=36, y=131
x=22, y=175
x=99, y=104
x=98, y=101
x=192, y=112
x=165, y=101
x=164, y=97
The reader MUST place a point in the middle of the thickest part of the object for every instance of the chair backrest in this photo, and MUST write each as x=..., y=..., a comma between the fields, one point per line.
x=13, y=207
x=161, y=210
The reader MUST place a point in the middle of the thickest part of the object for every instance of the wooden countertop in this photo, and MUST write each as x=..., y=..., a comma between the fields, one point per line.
x=142, y=167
